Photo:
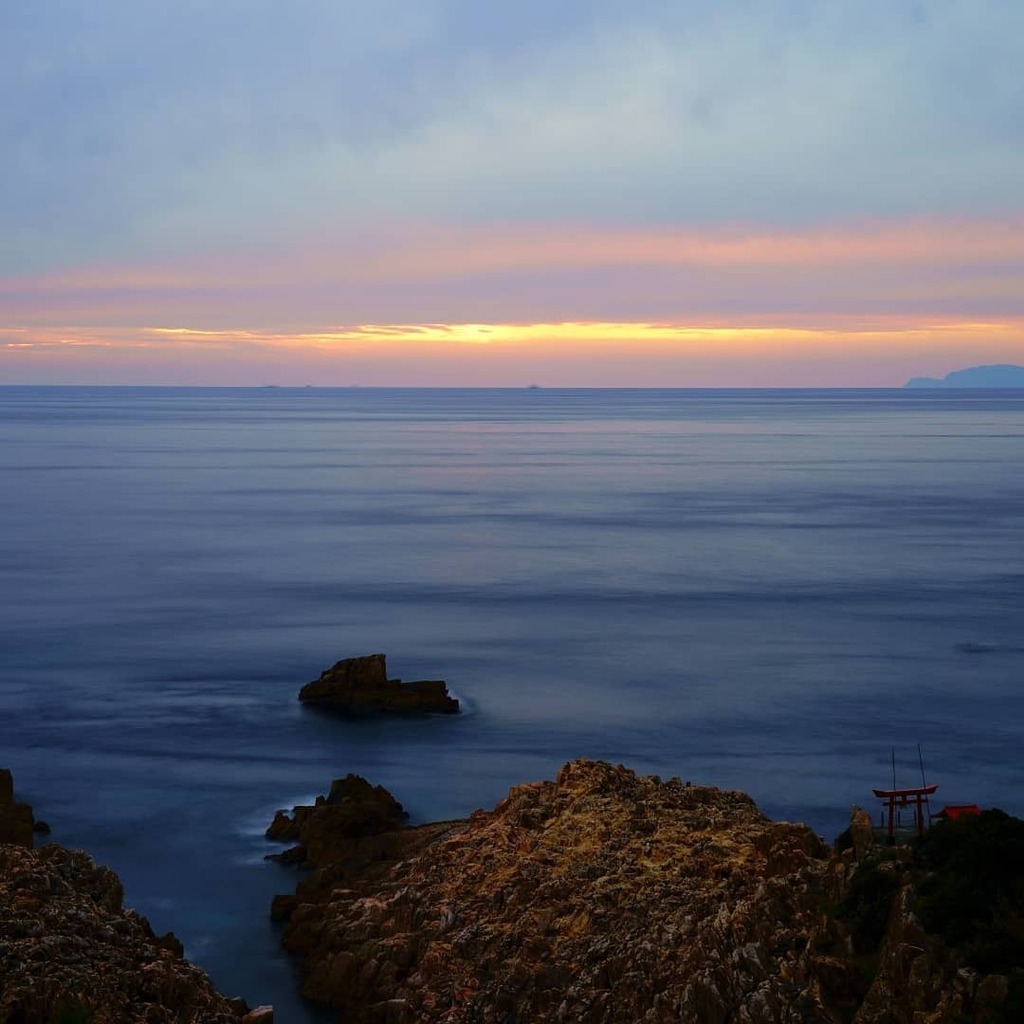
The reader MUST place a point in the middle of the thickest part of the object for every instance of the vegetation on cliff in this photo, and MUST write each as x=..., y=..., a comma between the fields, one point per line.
x=938, y=927
x=867, y=902
x=971, y=889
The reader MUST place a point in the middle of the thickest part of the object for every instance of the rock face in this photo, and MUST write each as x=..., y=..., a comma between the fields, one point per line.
x=16, y=822
x=327, y=830
x=357, y=830
x=70, y=952
x=599, y=897
x=607, y=897
x=921, y=981
x=952, y=947
x=357, y=685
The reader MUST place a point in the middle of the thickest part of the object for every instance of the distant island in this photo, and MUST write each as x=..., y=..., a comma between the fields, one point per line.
x=1000, y=376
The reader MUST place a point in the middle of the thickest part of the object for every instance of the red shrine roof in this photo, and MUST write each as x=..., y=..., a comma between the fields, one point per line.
x=954, y=811
x=917, y=791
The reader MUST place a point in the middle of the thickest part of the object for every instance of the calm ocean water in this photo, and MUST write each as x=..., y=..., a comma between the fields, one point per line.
x=765, y=590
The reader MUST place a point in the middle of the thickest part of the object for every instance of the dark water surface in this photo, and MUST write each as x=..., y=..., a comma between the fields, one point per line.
x=764, y=590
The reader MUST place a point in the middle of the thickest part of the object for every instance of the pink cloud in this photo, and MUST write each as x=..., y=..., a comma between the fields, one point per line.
x=863, y=298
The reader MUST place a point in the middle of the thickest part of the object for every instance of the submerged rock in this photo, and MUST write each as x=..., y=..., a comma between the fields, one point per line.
x=357, y=685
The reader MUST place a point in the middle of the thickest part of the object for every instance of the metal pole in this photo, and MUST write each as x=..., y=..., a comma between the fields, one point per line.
x=920, y=761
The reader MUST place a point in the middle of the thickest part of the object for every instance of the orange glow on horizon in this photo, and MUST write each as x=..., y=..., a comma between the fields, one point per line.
x=493, y=303
x=394, y=340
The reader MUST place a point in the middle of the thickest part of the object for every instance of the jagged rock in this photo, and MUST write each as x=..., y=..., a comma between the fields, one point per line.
x=352, y=810
x=604, y=897
x=919, y=980
x=283, y=828
x=17, y=825
x=68, y=950
x=952, y=951
x=862, y=833
x=598, y=897
x=356, y=685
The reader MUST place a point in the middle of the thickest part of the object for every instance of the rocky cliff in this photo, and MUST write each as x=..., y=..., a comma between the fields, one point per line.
x=601, y=896
x=940, y=926
x=606, y=897
x=70, y=952
x=598, y=897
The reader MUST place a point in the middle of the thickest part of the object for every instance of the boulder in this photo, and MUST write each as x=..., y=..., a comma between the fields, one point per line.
x=359, y=685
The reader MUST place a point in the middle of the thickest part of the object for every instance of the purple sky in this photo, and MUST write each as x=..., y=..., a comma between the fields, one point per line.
x=446, y=192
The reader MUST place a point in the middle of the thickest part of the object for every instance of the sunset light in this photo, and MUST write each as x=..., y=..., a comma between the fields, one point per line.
x=496, y=499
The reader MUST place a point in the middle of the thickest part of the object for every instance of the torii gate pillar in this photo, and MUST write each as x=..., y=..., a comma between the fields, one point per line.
x=893, y=798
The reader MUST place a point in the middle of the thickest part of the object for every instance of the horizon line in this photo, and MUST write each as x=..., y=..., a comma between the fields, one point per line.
x=512, y=387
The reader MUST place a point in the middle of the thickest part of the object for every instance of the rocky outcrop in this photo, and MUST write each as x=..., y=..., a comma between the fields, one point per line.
x=920, y=980
x=945, y=940
x=605, y=897
x=359, y=685
x=17, y=825
x=69, y=951
x=862, y=833
x=599, y=897
x=329, y=830
x=356, y=831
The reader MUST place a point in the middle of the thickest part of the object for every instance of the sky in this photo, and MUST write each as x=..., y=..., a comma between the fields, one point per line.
x=678, y=193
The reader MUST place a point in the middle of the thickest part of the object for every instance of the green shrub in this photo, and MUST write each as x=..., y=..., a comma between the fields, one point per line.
x=1012, y=1011
x=74, y=1013
x=866, y=906
x=972, y=893
x=844, y=841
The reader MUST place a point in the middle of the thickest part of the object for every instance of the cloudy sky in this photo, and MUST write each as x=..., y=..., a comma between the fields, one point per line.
x=569, y=192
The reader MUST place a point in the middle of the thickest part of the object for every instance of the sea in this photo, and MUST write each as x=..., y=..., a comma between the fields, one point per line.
x=796, y=593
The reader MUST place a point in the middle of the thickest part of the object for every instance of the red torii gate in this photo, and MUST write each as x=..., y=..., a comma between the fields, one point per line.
x=893, y=798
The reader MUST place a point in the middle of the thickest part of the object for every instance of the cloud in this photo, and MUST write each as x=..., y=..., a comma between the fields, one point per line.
x=436, y=273
x=143, y=129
